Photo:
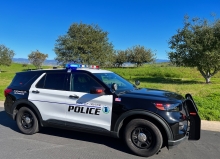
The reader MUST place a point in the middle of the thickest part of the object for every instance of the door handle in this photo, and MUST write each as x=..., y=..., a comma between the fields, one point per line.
x=35, y=91
x=74, y=96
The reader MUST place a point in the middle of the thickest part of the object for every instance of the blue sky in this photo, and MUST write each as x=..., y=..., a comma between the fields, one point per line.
x=28, y=25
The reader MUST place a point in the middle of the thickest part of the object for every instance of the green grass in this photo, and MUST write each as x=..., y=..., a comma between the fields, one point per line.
x=158, y=76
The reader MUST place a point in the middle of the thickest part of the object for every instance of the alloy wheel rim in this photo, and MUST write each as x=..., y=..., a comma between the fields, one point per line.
x=27, y=120
x=142, y=138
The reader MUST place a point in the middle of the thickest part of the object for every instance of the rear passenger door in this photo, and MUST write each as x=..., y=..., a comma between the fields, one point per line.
x=49, y=94
x=88, y=110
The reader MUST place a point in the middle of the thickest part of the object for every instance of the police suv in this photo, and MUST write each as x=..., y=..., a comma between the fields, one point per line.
x=86, y=98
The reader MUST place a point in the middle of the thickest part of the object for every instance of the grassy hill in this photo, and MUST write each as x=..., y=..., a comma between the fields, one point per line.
x=158, y=76
x=8, y=73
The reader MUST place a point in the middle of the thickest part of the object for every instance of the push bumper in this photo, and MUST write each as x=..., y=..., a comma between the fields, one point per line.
x=194, y=129
x=194, y=118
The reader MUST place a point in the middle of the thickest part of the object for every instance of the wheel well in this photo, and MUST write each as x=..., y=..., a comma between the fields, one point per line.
x=19, y=106
x=154, y=121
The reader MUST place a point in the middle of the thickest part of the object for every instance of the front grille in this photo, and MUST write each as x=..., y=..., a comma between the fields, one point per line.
x=185, y=110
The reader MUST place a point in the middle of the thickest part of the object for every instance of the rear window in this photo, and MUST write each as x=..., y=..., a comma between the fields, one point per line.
x=21, y=79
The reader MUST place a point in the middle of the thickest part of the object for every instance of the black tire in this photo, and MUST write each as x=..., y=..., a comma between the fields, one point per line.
x=25, y=125
x=142, y=137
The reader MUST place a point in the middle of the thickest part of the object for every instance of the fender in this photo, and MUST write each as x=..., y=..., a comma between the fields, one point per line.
x=160, y=120
x=30, y=104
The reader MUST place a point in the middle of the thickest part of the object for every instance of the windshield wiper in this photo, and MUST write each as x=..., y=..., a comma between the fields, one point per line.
x=123, y=92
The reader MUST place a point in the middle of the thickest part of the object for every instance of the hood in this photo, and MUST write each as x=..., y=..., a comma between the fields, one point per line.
x=154, y=93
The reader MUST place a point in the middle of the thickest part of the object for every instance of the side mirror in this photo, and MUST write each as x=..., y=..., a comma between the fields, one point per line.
x=97, y=90
x=114, y=87
x=137, y=82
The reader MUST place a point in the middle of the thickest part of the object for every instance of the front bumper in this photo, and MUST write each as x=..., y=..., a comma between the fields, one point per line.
x=172, y=143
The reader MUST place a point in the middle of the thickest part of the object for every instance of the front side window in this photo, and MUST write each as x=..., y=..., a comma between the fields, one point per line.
x=110, y=78
x=81, y=82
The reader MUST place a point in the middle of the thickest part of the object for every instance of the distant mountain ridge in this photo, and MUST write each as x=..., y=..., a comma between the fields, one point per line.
x=54, y=62
x=161, y=60
x=26, y=61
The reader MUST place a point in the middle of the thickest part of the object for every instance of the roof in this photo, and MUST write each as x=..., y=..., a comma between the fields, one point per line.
x=64, y=70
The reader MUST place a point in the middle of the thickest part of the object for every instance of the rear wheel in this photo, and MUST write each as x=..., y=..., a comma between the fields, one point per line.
x=27, y=121
x=143, y=137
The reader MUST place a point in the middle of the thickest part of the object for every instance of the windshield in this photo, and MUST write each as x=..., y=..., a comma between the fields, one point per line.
x=110, y=78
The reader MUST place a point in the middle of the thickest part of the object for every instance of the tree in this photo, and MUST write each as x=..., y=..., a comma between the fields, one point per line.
x=140, y=55
x=197, y=44
x=6, y=56
x=120, y=58
x=37, y=58
x=84, y=43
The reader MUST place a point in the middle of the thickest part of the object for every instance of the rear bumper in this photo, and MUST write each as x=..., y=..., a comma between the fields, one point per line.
x=7, y=110
x=10, y=115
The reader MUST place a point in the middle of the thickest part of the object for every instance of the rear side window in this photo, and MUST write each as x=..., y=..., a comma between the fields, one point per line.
x=21, y=79
x=40, y=84
x=55, y=81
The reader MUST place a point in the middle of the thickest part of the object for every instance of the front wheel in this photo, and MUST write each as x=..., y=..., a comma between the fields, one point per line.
x=143, y=137
x=27, y=121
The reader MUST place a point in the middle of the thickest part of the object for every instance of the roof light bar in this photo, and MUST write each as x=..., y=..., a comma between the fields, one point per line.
x=94, y=66
x=75, y=66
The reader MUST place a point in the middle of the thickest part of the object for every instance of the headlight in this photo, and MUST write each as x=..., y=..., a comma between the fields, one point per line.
x=168, y=106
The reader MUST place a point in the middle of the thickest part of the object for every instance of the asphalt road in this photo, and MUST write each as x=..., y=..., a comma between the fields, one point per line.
x=57, y=143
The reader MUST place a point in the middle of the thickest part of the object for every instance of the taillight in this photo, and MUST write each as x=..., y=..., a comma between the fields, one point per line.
x=7, y=91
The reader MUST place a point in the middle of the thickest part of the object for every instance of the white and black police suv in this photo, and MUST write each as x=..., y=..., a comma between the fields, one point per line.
x=86, y=98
